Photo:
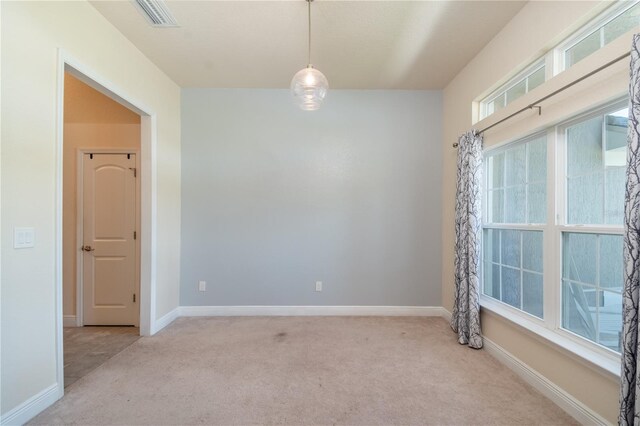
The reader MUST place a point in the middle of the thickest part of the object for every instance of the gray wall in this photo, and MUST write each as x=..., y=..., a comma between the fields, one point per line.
x=274, y=199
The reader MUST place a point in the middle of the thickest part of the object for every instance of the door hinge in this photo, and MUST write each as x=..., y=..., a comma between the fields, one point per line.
x=91, y=156
x=134, y=235
x=135, y=171
x=134, y=298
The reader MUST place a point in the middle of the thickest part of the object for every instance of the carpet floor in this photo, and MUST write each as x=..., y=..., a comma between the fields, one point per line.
x=302, y=371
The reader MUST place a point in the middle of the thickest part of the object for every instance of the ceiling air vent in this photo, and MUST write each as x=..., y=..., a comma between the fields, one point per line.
x=157, y=13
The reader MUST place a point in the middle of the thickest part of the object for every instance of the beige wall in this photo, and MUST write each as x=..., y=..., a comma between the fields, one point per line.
x=91, y=120
x=32, y=32
x=538, y=27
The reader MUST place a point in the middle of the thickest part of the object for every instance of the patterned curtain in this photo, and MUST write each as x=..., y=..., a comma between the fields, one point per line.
x=629, y=404
x=465, y=318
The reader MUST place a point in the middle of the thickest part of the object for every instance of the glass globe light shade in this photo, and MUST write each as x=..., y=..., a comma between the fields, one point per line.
x=309, y=87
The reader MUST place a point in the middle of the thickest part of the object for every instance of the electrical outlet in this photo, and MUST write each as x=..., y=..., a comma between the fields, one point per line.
x=202, y=285
x=318, y=285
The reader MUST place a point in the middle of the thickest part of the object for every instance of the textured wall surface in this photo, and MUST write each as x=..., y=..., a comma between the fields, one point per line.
x=274, y=199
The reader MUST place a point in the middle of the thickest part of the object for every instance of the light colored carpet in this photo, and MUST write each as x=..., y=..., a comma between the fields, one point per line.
x=86, y=348
x=303, y=370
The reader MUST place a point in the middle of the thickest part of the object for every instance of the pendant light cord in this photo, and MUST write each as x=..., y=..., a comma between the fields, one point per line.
x=309, y=49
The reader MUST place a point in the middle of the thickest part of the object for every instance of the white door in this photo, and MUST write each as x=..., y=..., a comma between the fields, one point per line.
x=109, y=252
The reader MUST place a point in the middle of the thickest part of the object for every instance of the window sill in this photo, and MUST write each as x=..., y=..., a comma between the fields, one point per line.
x=599, y=360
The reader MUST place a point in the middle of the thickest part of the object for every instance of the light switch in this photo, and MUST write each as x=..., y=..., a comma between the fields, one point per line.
x=23, y=238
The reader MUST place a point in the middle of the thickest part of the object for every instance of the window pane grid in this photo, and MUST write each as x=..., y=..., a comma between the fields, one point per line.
x=607, y=31
x=516, y=183
x=621, y=18
x=512, y=90
x=583, y=265
x=592, y=287
x=506, y=277
x=595, y=164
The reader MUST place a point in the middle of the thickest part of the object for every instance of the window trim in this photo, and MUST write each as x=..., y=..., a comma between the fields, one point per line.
x=606, y=362
x=502, y=89
x=554, y=59
x=549, y=328
x=595, y=24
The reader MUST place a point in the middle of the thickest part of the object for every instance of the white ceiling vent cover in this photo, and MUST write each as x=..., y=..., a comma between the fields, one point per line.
x=156, y=12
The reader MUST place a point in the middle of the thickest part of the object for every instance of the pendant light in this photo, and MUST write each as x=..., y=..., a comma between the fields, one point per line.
x=309, y=86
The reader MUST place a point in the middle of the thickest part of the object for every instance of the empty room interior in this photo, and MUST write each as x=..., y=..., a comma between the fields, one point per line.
x=319, y=212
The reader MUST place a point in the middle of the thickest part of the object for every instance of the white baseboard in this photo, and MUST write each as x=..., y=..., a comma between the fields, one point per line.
x=69, y=321
x=214, y=311
x=562, y=399
x=165, y=320
x=568, y=403
x=221, y=311
x=32, y=407
x=446, y=314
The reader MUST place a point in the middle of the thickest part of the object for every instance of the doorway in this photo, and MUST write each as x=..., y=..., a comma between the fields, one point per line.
x=101, y=222
x=147, y=181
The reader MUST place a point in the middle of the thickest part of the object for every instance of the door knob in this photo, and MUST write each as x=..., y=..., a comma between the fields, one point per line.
x=87, y=248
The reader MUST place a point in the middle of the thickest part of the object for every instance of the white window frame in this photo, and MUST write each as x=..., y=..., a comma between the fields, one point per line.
x=561, y=201
x=550, y=327
x=596, y=24
x=502, y=90
x=554, y=59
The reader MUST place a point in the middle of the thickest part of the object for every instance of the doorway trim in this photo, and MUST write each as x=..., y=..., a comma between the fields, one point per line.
x=148, y=196
x=80, y=152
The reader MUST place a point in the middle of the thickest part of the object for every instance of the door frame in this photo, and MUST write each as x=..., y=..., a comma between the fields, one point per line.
x=80, y=225
x=148, y=196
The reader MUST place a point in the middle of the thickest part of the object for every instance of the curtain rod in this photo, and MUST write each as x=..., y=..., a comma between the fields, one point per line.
x=544, y=98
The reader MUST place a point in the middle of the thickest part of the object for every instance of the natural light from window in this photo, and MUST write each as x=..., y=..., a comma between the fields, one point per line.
x=621, y=17
x=589, y=196
x=613, y=27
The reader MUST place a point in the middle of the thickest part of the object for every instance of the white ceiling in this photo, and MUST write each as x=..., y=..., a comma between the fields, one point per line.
x=356, y=44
